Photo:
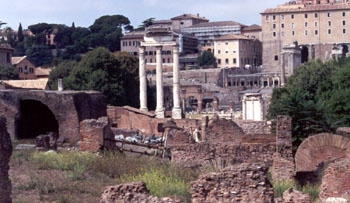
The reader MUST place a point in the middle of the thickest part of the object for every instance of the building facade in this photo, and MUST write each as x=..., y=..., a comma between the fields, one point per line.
x=237, y=51
x=320, y=28
x=5, y=54
x=25, y=68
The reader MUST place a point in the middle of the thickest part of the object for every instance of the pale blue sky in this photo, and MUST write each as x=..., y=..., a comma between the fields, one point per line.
x=84, y=12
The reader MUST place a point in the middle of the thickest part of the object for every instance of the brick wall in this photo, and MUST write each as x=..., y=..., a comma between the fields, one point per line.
x=336, y=180
x=240, y=183
x=92, y=134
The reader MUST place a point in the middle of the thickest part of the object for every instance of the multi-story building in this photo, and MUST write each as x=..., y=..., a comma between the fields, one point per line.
x=131, y=42
x=317, y=29
x=25, y=68
x=237, y=51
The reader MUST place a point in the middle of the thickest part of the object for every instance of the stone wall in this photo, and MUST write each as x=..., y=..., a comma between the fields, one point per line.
x=240, y=183
x=336, y=180
x=68, y=108
x=5, y=154
x=93, y=132
x=132, y=193
x=283, y=165
x=254, y=127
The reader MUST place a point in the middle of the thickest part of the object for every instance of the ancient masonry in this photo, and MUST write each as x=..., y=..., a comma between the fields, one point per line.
x=5, y=154
x=243, y=183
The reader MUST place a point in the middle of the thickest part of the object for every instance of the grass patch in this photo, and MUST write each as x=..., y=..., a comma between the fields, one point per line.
x=77, y=176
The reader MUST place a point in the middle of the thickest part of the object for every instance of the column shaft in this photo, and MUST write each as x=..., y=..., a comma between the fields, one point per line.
x=160, y=112
x=143, y=79
x=176, y=113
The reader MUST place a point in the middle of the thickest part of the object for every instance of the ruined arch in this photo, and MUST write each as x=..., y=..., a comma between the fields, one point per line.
x=35, y=118
x=315, y=153
x=345, y=49
x=319, y=149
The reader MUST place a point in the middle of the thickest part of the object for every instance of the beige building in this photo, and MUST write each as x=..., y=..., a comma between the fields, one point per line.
x=318, y=29
x=5, y=54
x=237, y=51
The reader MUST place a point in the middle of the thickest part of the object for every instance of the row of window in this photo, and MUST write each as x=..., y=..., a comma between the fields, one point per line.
x=131, y=43
x=25, y=70
x=306, y=15
x=234, y=61
x=274, y=26
x=306, y=33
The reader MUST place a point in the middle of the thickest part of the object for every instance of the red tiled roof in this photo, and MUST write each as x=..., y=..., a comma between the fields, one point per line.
x=18, y=59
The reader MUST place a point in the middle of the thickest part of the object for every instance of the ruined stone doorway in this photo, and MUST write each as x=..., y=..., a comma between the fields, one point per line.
x=304, y=54
x=35, y=119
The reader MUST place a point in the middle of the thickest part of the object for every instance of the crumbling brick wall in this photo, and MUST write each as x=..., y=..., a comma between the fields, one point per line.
x=336, y=180
x=132, y=193
x=240, y=183
x=283, y=165
x=5, y=154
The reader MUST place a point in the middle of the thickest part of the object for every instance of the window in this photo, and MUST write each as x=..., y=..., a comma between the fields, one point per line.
x=274, y=17
x=274, y=34
x=316, y=15
x=305, y=15
x=293, y=25
x=305, y=32
x=226, y=61
x=328, y=14
x=168, y=60
x=305, y=24
x=276, y=57
x=234, y=60
x=316, y=32
x=343, y=22
x=344, y=31
x=293, y=33
x=292, y=16
x=344, y=14
x=282, y=33
x=31, y=70
x=316, y=24
x=20, y=69
x=226, y=43
x=274, y=26
x=219, y=61
x=329, y=23
x=219, y=51
x=267, y=17
x=282, y=17
x=282, y=25
x=329, y=31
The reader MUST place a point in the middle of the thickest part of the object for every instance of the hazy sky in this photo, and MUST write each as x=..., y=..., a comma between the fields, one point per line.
x=84, y=12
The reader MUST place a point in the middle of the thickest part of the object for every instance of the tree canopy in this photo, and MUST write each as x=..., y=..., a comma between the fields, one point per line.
x=7, y=72
x=206, y=58
x=115, y=75
x=316, y=98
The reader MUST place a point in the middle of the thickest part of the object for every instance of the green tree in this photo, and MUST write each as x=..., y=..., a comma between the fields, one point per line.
x=60, y=72
x=110, y=74
x=110, y=30
x=20, y=33
x=206, y=59
x=8, y=72
x=315, y=98
x=40, y=55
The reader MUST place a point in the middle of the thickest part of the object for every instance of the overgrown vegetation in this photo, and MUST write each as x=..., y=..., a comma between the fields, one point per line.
x=81, y=177
x=316, y=98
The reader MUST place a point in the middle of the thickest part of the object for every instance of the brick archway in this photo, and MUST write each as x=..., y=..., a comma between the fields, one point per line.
x=321, y=148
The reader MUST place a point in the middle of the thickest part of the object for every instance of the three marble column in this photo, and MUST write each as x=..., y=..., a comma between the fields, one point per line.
x=160, y=110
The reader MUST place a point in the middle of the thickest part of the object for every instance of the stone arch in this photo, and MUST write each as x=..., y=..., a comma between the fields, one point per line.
x=319, y=149
x=35, y=118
